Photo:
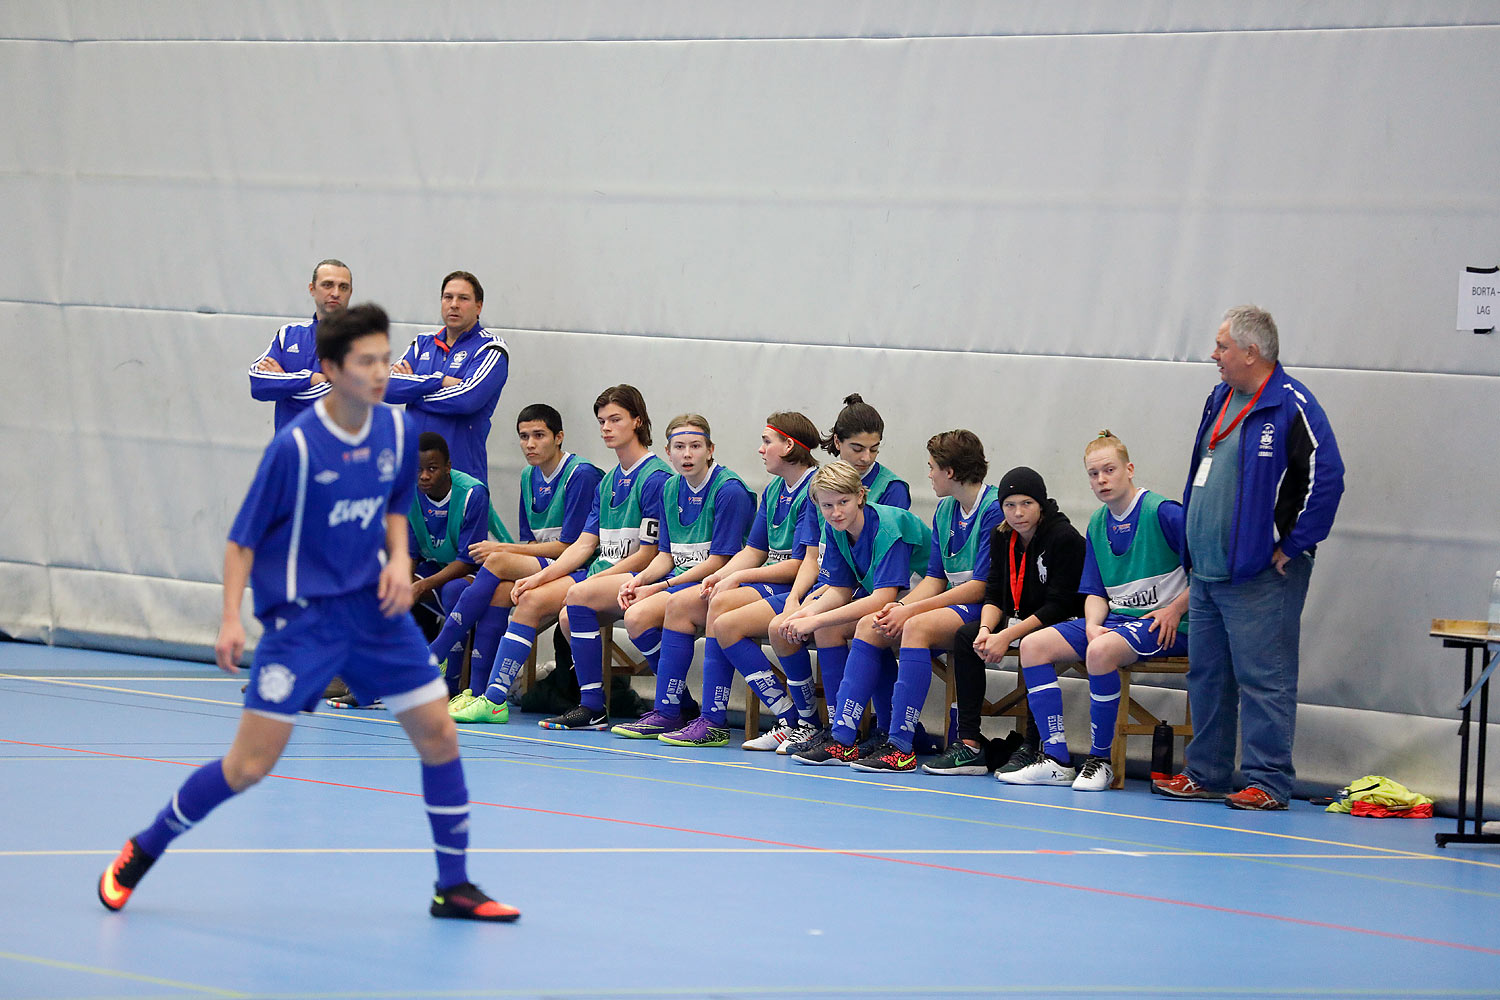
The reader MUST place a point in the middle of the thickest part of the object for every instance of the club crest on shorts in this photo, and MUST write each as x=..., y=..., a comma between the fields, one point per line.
x=275, y=683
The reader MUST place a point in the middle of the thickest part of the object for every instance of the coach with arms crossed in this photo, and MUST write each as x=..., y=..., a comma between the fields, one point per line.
x=289, y=372
x=1263, y=486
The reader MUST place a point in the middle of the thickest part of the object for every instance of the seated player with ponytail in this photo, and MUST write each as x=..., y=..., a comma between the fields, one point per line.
x=707, y=513
x=948, y=596
x=735, y=604
x=557, y=491
x=871, y=556
x=1136, y=593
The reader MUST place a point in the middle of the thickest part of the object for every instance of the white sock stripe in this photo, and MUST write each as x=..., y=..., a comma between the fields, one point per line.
x=647, y=652
x=759, y=675
x=1044, y=687
x=512, y=637
x=584, y=635
x=178, y=810
x=590, y=687
x=449, y=850
x=449, y=810
x=1105, y=697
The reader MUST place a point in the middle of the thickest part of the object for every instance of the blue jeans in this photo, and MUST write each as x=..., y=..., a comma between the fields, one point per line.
x=1243, y=650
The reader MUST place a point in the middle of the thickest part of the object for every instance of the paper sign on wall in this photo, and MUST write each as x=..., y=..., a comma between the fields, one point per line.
x=1478, y=298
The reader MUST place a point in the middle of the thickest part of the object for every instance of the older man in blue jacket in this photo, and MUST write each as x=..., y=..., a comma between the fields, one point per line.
x=1263, y=487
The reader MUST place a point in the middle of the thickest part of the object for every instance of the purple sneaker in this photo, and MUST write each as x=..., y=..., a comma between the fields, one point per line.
x=697, y=733
x=647, y=727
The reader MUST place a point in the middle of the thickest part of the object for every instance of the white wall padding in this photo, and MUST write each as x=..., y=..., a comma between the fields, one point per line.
x=1022, y=218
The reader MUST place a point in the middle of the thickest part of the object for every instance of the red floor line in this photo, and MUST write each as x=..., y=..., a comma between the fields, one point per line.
x=1299, y=921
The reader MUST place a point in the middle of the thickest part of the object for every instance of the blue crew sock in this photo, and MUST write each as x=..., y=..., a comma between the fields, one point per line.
x=464, y=612
x=912, y=680
x=447, y=799
x=649, y=645
x=799, y=682
x=831, y=660
x=671, y=671
x=1104, y=708
x=885, y=686
x=861, y=671
x=1045, y=698
x=588, y=655
x=515, y=650
x=718, y=672
x=487, y=635
x=759, y=677
x=204, y=789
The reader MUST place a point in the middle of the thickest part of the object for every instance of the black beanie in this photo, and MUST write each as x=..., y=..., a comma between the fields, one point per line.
x=1027, y=482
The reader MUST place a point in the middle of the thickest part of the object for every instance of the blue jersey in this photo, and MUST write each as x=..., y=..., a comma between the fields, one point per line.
x=315, y=512
x=460, y=413
x=957, y=536
x=651, y=499
x=473, y=525
x=894, y=570
x=809, y=527
x=295, y=349
x=579, y=496
x=1121, y=532
x=733, y=508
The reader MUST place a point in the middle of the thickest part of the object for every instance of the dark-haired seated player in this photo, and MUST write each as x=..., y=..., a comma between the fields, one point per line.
x=449, y=516
x=557, y=491
x=321, y=536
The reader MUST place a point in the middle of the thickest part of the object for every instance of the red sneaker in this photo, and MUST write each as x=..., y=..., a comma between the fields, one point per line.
x=1254, y=798
x=1180, y=786
x=466, y=901
x=123, y=875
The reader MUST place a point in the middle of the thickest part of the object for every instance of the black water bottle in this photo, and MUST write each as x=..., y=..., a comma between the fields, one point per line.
x=1161, y=752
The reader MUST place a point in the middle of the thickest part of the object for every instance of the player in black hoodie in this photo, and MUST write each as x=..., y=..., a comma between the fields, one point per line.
x=1036, y=560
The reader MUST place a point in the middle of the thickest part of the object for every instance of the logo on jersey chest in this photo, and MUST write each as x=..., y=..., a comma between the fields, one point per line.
x=458, y=359
x=294, y=349
x=1267, y=439
x=326, y=476
x=356, y=455
x=386, y=463
x=363, y=511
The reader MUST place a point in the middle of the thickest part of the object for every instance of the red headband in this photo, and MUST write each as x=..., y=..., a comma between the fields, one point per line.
x=784, y=434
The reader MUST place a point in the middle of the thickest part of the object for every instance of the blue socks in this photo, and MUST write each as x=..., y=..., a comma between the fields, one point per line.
x=1045, y=698
x=799, y=682
x=204, y=789
x=717, y=674
x=913, y=677
x=464, y=612
x=831, y=661
x=672, y=669
x=649, y=645
x=588, y=655
x=514, y=651
x=447, y=799
x=861, y=673
x=885, y=686
x=1104, y=707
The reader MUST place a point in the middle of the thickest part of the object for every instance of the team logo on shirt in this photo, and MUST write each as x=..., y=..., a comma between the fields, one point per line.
x=1267, y=438
x=458, y=359
x=1041, y=570
x=426, y=356
x=275, y=683
x=326, y=476
x=294, y=349
x=357, y=455
x=386, y=463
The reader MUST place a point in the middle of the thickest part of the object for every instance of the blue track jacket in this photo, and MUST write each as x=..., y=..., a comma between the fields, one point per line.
x=460, y=413
x=1291, y=475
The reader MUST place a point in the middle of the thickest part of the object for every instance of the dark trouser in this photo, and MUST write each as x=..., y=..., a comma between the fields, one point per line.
x=969, y=678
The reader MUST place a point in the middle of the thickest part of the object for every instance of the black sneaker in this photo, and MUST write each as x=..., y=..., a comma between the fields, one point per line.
x=578, y=717
x=466, y=901
x=1026, y=755
x=123, y=875
x=887, y=758
x=830, y=752
x=872, y=745
x=960, y=758
x=347, y=700
x=815, y=739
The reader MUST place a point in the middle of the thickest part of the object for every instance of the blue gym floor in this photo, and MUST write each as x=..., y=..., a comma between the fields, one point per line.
x=643, y=870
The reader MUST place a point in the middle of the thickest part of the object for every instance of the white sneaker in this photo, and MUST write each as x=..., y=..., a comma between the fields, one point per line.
x=1094, y=776
x=798, y=735
x=771, y=740
x=1046, y=771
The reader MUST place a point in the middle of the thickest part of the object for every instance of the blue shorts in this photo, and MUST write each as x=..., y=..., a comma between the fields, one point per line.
x=967, y=612
x=344, y=636
x=577, y=576
x=679, y=587
x=1136, y=631
x=770, y=590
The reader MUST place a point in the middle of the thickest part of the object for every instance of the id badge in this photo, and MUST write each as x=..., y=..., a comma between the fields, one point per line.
x=1202, y=477
x=1012, y=621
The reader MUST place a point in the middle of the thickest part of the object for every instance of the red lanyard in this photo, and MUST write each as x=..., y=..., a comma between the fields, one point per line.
x=1017, y=576
x=1218, y=435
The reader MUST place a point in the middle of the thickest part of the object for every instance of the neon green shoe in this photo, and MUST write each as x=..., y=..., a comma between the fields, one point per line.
x=482, y=710
x=460, y=700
